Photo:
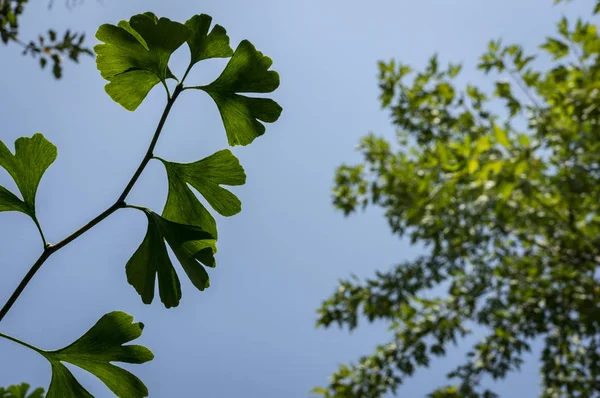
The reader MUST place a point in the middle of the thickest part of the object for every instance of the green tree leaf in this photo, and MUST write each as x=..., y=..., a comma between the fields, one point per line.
x=204, y=45
x=10, y=202
x=501, y=136
x=206, y=176
x=20, y=391
x=556, y=47
x=32, y=158
x=192, y=247
x=247, y=72
x=135, y=55
x=94, y=352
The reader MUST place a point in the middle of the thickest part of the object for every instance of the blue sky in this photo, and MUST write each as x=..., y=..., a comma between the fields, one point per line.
x=252, y=333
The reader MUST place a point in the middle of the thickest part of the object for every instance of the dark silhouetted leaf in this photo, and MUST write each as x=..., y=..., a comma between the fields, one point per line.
x=94, y=352
x=192, y=247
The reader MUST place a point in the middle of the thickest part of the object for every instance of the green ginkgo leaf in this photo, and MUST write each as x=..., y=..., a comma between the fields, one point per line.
x=206, y=176
x=204, y=45
x=10, y=202
x=32, y=158
x=135, y=55
x=95, y=352
x=192, y=246
x=247, y=72
x=20, y=391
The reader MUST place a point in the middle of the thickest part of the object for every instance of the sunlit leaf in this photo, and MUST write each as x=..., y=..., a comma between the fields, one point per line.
x=557, y=48
x=501, y=136
x=472, y=165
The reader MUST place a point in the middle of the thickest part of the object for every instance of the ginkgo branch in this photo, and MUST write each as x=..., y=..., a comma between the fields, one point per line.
x=120, y=203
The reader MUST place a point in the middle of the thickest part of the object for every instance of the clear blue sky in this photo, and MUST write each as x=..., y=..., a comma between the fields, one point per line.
x=252, y=333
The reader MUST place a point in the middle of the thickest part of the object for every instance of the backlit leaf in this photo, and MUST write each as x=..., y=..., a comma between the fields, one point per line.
x=501, y=136
x=135, y=55
x=192, y=246
x=206, y=176
x=32, y=158
x=95, y=352
x=247, y=72
x=204, y=45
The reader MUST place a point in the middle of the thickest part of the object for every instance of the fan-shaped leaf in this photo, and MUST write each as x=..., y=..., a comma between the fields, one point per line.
x=135, y=55
x=204, y=45
x=192, y=247
x=247, y=72
x=32, y=158
x=206, y=176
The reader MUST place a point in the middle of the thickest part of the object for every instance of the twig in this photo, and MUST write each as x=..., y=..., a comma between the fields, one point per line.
x=120, y=203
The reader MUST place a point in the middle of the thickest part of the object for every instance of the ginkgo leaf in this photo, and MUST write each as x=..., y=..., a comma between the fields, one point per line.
x=94, y=352
x=135, y=55
x=204, y=45
x=32, y=158
x=246, y=72
x=206, y=176
x=20, y=391
x=64, y=385
x=192, y=246
x=10, y=202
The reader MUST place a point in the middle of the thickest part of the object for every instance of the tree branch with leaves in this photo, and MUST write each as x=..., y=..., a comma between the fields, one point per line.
x=49, y=47
x=506, y=205
x=133, y=57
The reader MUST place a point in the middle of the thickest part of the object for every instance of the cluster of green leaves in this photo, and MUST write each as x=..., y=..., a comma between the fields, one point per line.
x=21, y=391
x=506, y=205
x=10, y=11
x=46, y=48
x=54, y=49
x=133, y=57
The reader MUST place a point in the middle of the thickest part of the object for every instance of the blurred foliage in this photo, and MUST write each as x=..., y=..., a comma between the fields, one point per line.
x=506, y=205
x=49, y=47
x=20, y=391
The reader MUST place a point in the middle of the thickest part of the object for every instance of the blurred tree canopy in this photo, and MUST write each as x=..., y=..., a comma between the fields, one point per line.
x=48, y=46
x=507, y=205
